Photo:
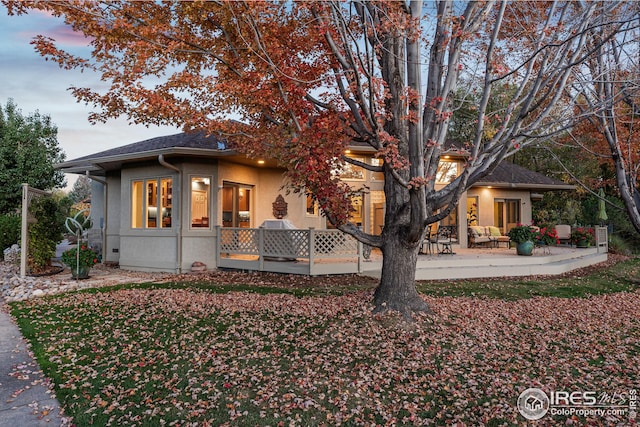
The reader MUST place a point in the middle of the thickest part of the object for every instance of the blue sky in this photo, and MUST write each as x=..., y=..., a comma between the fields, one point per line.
x=36, y=84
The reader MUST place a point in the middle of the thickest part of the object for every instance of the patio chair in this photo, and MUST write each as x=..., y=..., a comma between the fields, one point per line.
x=564, y=233
x=447, y=235
x=430, y=239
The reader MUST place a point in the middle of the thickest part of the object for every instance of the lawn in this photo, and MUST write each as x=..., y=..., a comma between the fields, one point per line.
x=291, y=351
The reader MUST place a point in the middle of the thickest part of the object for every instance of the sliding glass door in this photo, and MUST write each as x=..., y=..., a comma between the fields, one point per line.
x=236, y=205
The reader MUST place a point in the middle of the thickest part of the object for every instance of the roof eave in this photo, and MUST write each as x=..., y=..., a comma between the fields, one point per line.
x=80, y=165
x=524, y=186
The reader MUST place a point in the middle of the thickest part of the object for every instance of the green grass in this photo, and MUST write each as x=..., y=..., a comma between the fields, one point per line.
x=621, y=277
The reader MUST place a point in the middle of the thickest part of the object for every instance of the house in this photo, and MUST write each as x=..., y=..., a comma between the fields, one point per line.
x=157, y=203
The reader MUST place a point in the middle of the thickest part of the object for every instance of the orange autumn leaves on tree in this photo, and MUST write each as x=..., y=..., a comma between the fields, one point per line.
x=259, y=60
x=588, y=137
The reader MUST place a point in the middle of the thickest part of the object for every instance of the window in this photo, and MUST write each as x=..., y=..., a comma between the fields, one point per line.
x=357, y=204
x=352, y=172
x=377, y=176
x=472, y=210
x=200, y=193
x=312, y=205
x=137, y=204
x=151, y=203
x=451, y=219
x=357, y=211
x=236, y=205
x=506, y=213
x=447, y=172
x=166, y=189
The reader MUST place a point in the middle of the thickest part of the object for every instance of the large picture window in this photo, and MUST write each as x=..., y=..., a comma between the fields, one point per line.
x=151, y=203
x=200, y=193
x=352, y=172
x=312, y=205
x=447, y=172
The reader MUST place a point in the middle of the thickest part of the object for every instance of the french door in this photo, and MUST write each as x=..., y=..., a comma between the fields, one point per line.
x=236, y=205
x=506, y=213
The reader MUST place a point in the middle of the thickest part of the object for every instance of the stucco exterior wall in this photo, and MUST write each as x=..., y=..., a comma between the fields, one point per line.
x=174, y=249
x=267, y=185
x=486, y=197
x=97, y=212
x=147, y=249
x=198, y=244
x=111, y=251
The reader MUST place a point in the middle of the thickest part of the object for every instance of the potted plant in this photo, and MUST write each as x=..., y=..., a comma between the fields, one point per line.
x=523, y=236
x=80, y=261
x=583, y=237
x=547, y=236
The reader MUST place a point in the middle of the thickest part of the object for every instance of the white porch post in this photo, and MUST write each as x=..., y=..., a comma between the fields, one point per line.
x=312, y=238
x=24, y=241
x=218, y=245
x=261, y=248
x=602, y=239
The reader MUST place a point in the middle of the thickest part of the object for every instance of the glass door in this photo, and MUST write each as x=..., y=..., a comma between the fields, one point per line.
x=506, y=214
x=236, y=205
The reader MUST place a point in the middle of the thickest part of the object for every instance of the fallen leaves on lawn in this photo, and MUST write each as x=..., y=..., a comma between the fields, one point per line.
x=187, y=356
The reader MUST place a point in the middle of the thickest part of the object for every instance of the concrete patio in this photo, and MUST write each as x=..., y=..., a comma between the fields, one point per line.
x=495, y=262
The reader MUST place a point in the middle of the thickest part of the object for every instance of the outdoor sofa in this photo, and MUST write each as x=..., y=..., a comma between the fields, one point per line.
x=491, y=236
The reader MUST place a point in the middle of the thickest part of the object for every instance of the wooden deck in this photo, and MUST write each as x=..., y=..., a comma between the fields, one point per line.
x=323, y=252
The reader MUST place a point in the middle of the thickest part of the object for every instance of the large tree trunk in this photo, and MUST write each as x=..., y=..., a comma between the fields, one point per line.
x=397, y=288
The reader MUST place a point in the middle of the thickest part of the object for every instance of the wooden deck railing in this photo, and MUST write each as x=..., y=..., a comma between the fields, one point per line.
x=304, y=251
x=602, y=239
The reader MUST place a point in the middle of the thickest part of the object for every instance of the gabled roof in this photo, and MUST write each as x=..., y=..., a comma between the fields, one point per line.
x=510, y=175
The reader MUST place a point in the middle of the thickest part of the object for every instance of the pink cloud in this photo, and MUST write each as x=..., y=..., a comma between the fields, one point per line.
x=62, y=34
x=66, y=36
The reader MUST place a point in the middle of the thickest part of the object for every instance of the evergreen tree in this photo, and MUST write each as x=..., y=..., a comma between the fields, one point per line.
x=28, y=152
x=81, y=189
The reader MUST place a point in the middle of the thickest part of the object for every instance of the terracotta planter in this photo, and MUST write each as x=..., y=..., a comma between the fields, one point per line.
x=524, y=248
x=80, y=273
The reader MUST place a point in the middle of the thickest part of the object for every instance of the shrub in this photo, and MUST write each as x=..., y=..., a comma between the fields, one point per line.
x=85, y=258
x=618, y=245
x=9, y=230
x=44, y=233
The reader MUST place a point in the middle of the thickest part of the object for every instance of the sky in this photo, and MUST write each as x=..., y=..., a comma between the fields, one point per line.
x=38, y=85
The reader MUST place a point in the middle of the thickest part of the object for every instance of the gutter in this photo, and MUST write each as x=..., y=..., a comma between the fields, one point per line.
x=167, y=165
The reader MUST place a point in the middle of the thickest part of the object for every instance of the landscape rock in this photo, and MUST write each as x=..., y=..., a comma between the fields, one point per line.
x=16, y=288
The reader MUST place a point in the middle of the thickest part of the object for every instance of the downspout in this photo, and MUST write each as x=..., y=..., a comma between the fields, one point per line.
x=106, y=210
x=164, y=163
